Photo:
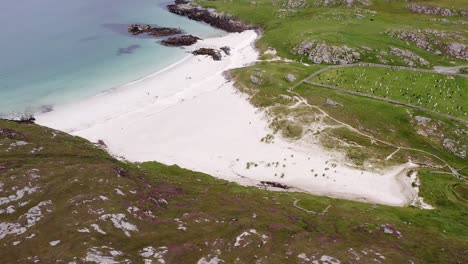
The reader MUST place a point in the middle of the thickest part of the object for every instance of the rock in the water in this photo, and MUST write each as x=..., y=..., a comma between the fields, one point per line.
x=226, y=49
x=254, y=79
x=136, y=29
x=290, y=77
x=215, y=54
x=185, y=40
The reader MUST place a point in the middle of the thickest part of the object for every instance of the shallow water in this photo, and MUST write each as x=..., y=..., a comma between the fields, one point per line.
x=54, y=51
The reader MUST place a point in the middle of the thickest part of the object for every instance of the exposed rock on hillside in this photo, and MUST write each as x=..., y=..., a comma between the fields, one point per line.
x=435, y=41
x=453, y=147
x=422, y=120
x=408, y=57
x=436, y=130
x=254, y=79
x=136, y=29
x=215, y=54
x=330, y=102
x=290, y=77
x=296, y=3
x=321, y=52
x=435, y=10
x=185, y=40
x=11, y=134
x=222, y=21
x=348, y=3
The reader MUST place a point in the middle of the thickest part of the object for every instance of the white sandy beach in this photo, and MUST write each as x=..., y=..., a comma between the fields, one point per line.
x=190, y=115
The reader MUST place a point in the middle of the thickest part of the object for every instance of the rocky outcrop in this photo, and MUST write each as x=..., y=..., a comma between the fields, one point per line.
x=436, y=10
x=137, y=29
x=226, y=50
x=290, y=77
x=457, y=50
x=275, y=184
x=11, y=134
x=348, y=3
x=435, y=41
x=215, y=54
x=330, y=102
x=422, y=120
x=254, y=79
x=296, y=3
x=408, y=57
x=321, y=52
x=452, y=146
x=184, y=40
x=225, y=22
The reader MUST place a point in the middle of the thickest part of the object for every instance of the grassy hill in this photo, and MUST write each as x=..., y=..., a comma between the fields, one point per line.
x=371, y=28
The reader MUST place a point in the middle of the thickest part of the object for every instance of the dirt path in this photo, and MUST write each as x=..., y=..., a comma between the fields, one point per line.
x=453, y=170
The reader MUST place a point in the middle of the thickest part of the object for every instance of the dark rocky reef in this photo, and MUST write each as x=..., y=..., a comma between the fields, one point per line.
x=136, y=29
x=435, y=10
x=215, y=54
x=225, y=22
x=184, y=40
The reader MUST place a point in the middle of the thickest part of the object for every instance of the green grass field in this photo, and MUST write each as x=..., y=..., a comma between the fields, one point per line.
x=440, y=93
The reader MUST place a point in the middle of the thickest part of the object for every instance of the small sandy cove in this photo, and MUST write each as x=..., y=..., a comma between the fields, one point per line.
x=188, y=114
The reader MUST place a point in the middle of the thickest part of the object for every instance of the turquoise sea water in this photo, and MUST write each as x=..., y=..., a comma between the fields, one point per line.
x=57, y=51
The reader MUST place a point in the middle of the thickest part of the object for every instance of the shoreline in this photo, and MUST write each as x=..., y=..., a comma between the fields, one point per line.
x=188, y=114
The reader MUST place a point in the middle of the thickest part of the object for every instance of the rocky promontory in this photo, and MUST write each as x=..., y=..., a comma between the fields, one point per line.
x=137, y=29
x=184, y=40
x=197, y=13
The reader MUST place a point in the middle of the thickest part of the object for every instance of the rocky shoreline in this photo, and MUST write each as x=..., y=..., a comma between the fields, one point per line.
x=197, y=13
